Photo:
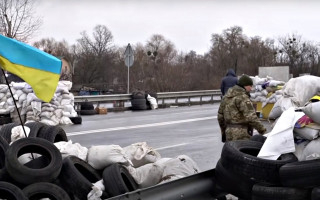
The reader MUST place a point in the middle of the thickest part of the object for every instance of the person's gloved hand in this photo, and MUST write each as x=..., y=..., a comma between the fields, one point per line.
x=263, y=131
x=223, y=137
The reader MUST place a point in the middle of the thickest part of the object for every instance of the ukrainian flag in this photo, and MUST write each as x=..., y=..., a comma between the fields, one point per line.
x=39, y=69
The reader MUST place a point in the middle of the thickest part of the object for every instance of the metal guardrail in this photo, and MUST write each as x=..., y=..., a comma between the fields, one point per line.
x=160, y=96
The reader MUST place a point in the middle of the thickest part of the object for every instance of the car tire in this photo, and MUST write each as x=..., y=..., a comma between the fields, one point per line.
x=45, y=190
x=240, y=157
x=25, y=175
x=10, y=191
x=53, y=134
x=117, y=180
x=78, y=176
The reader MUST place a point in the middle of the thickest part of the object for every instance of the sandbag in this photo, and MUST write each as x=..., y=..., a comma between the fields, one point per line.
x=147, y=175
x=68, y=148
x=300, y=146
x=312, y=150
x=101, y=156
x=306, y=133
x=283, y=104
x=141, y=154
x=301, y=89
x=312, y=110
x=178, y=167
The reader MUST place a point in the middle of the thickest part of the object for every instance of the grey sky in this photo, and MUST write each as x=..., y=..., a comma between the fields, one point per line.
x=189, y=24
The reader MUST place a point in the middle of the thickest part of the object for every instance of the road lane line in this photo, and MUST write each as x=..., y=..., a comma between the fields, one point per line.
x=168, y=147
x=140, y=126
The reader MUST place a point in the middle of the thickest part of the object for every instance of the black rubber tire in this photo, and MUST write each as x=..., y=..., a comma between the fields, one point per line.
x=86, y=106
x=76, y=120
x=5, y=120
x=53, y=134
x=117, y=180
x=3, y=149
x=138, y=95
x=138, y=104
x=301, y=174
x=25, y=175
x=258, y=138
x=5, y=131
x=315, y=193
x=78, y=176
x=11, y=192
x=261, y=192
x=240, y=157
x=45, y=190
x=88, y=112
x=228, y=180
x=35, y=128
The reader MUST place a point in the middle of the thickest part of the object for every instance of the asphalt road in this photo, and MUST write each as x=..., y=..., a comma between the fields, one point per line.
x=191, y=131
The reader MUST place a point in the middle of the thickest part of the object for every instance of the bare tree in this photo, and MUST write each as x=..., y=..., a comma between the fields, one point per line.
x=17, y=19
x=95, y=57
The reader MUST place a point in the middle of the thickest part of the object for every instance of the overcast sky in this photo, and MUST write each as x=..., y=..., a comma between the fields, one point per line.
x=188, y=24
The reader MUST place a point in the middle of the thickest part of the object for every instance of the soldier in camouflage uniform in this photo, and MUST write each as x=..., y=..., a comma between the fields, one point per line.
x=236, y=115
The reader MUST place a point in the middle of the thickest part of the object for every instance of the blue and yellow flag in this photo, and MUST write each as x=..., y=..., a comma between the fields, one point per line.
x=39, y=69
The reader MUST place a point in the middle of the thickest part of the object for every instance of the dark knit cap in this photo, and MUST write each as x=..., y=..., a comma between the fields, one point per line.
x=245, y=80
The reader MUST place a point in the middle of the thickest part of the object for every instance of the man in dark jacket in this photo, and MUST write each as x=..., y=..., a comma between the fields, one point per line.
x=236, y=115
x=228, y=81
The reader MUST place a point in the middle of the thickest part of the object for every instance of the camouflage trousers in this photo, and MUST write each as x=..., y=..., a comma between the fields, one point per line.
x=233, y=133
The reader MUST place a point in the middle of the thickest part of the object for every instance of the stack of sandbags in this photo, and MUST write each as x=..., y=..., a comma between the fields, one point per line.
x=295, y=93
x=32, y=109
x=266, y=90
x=57, y=111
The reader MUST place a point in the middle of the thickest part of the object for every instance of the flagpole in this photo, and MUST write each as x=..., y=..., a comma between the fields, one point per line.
x=14, y=101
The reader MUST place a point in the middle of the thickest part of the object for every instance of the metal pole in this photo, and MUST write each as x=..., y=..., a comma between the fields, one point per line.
x=128, y=74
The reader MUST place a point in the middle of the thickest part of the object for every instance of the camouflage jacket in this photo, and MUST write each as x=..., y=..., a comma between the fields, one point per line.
x=236, y=108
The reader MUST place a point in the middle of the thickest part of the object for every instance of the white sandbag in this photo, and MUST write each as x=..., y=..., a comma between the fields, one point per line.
x=31, y=97
x=264, y=92
x=65, y=120
x=299, y=150
x=66, y=84
x=153, y=102
x=312, y=110
x=97, y=190
x=3, y=88
x=306, y=133
x=47, y=109
x=280, y=106
x=22, y=98
x=18, y=133
x=146, y=175
x=312, y=150
x=58, y=113
x=48, y=122
x=141, y=154
x=69, y=148
x=46, y=114
x=301, y=89
x=181, y=166
x=102, y=156
x=66, y=102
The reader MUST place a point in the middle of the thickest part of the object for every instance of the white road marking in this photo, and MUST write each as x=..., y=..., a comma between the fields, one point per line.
x=139, y=126
x=168, y=147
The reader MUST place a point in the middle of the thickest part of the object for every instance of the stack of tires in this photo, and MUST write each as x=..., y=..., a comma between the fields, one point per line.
x=138, y=101
x=87, y=108
x=47, y=175
x=241, y=173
